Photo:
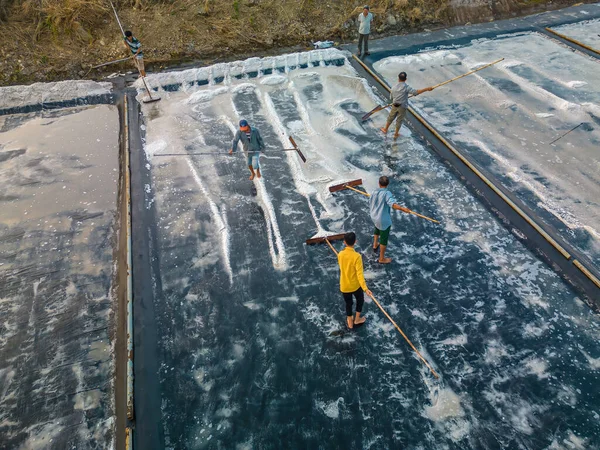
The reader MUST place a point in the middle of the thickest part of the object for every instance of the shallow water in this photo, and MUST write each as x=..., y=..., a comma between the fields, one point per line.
x=506, y=116
x=58, y=178
x=585, y=32
x=245, y=309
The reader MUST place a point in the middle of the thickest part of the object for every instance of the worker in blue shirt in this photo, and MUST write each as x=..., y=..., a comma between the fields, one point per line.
x=252, y=143
x=380, y=205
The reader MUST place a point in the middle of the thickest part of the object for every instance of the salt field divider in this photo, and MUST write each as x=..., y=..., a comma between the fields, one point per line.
x=569, y=41
x=258, y=73
x=146, y=426
x=591, y=290
x=102, y=99
x=129, y=279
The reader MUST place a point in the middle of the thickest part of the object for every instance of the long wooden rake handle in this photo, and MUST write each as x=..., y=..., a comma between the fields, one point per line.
x=358, y=190
x=405, y=337
x=331, y=246
x=406, y=210
x=434, y=373
x=468, y=73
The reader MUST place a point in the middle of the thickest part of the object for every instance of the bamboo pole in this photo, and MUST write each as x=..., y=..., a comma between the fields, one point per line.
x=406, y=210
x=405, y=337
x=382, y=107
x=111, y=62
x=434, y=373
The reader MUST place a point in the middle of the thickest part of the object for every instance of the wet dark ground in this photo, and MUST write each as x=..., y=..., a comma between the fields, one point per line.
x=58, y=178
x=244, y=309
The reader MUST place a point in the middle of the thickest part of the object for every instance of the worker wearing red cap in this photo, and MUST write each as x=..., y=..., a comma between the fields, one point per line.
x=252, y=143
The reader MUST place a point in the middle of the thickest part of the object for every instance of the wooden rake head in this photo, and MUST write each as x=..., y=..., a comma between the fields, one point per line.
x=341, y=187
x=323, y=240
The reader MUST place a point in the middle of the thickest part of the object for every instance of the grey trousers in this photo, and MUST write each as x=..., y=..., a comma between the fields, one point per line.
x=363, y=38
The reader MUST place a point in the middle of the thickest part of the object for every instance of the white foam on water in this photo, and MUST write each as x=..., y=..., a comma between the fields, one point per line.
x=537, y=367
x=461, y=339
x=331, y=409
x=41, y=437
x=274, y=80
x=205, y=95
x=219, y=218
x=447, y=413
x=159, y=146
x=574, y=442
x=593, y=362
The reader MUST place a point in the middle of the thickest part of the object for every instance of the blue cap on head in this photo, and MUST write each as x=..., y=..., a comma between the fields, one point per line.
x=243, y=123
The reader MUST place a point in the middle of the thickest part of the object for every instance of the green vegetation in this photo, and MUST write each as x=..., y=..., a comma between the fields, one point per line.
x=53, y=39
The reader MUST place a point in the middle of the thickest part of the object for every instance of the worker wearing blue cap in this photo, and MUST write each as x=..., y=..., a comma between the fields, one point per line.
x=252, y=143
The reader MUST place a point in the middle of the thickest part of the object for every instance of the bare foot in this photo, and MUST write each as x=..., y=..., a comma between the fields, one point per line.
x=251, y=177
x=359, y=320
x=385, y=260
x=396, y=136
x=258, y=174
x=383, y=130
x=350, y=322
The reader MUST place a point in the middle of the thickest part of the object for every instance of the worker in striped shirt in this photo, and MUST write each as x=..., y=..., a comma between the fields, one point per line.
x=131, y=43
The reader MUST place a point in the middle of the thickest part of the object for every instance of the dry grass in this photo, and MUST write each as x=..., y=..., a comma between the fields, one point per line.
x=54, y=39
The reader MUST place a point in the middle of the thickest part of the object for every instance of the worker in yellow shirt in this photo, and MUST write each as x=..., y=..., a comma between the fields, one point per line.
x=352, y=280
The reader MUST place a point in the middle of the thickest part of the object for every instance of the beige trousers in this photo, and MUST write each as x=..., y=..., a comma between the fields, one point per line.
x=398, y=113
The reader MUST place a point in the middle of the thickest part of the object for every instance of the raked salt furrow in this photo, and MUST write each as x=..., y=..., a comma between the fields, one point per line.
x=292, y=159
x=302, y=110
x=554, y=100
x=219, y=218
x=325, y=159
x=308, y=147
x=278, y=257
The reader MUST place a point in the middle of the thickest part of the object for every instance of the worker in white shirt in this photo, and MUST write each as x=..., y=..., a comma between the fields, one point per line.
x=364, y=29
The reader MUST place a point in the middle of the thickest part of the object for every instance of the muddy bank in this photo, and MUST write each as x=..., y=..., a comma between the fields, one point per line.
x=59, y=48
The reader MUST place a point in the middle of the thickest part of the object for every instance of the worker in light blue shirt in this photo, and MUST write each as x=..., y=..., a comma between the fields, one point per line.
x=380, y=205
